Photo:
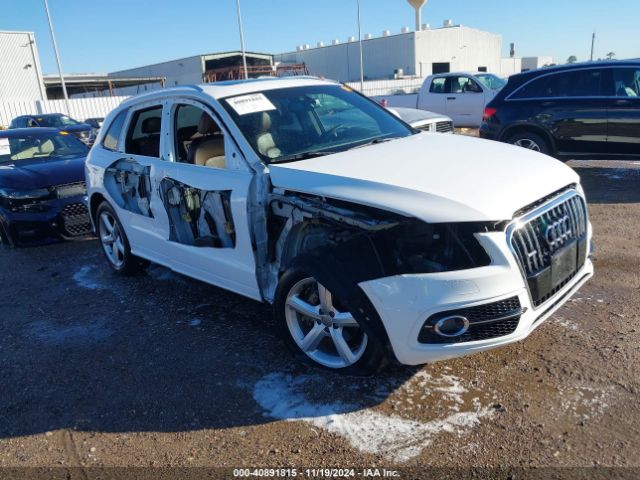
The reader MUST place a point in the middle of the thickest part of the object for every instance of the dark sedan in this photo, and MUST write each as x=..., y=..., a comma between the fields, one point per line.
x=55, y=120
x=572, y=111
x=42, y=187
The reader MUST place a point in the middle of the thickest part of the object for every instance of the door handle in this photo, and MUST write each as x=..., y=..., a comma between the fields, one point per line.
x=451, y=98
x=623, y=102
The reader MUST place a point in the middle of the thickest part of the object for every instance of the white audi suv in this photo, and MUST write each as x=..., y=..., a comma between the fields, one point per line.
x=373, y=241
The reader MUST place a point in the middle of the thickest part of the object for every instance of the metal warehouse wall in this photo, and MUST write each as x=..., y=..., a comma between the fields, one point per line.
x=184, y=71
x=81, y=108
x=20, y=73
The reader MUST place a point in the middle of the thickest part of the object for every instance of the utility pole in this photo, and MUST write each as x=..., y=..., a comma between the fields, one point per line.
x=244, y=56
x=593, y=44
x=57, y=54
x=360, y=41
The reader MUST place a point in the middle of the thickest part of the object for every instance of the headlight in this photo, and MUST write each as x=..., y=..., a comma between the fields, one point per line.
x=13, y=194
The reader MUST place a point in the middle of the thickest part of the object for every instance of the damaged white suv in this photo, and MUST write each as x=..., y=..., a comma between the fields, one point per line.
x=372, y=240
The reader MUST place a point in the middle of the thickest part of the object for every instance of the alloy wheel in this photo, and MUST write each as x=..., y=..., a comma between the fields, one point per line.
x=324, y=330
x=111, y=239
x=528, y=144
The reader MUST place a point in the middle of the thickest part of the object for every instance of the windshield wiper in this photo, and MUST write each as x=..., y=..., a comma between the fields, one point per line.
x=375, y=141
x=300, y=156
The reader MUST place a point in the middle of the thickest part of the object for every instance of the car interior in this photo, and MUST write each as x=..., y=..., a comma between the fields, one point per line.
x=143, y=137
x=199, y=139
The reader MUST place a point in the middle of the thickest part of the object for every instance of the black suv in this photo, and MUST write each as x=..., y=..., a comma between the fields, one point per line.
x=589, y=109
x=55, y=120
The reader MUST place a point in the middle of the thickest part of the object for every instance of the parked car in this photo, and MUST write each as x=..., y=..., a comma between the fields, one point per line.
x=42, y=187
x=588, y=109
x=54, y=120
x=369, y=239
x=461, y=96
x=96, y=125
x=423, y=120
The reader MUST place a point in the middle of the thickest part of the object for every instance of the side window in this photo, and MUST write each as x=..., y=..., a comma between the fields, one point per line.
x=198, y=138
x=464, y=85
x=627, y=82
x=110, y=141
x=143, y=136
x=579, y=83
x=31, y=123
x=437, y=85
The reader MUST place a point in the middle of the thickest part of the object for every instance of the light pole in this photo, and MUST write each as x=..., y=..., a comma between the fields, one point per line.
x=244, y=56
x=360, y=42
x=55, y=51
x=593, y=44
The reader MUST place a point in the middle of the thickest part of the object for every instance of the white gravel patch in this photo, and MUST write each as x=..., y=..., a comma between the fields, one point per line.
x=395, y=438
x=86, y=278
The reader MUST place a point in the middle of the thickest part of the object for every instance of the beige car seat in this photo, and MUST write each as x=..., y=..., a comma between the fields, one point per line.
x=208, y=149
x=264, y=140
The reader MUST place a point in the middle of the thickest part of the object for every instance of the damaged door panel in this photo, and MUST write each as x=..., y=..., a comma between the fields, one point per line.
x=197, y=217
x=129, y=184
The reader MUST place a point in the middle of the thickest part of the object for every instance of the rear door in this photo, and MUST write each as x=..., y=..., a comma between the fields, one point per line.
x=433, y=96
x=205, y=199
x=624, y=111
x=465, y=101
x=131, y=179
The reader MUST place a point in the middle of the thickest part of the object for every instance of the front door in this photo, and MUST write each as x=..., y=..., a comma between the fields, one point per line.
x=465, y=101
x=624, y=112
x=205, y=199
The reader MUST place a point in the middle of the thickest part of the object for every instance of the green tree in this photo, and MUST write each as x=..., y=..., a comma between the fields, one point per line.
x=572, y=59
x=610, y=55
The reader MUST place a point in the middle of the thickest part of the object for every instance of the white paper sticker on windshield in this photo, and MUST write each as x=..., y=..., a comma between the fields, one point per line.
x=4, y=146
x=254, y=103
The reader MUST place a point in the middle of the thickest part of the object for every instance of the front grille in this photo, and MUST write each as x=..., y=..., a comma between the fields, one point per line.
x=491, y=320
x=560, y=227
x=444, y=127
x=75, y=220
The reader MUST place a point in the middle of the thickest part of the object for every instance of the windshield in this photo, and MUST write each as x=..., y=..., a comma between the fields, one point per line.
x=489, y=80
x=295, y=123
x=57, y=121
x=41, y=145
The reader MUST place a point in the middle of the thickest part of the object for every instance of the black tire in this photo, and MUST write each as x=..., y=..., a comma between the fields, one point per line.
x=4, y=238
x=376, y=354
x=537, y=142
x=130, y=264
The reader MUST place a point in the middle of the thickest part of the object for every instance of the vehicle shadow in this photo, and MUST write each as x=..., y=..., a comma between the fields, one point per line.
x=607, y=185
x=87, y=350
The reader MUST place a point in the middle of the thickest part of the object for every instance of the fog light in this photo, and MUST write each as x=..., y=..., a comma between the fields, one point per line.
x=453, y=326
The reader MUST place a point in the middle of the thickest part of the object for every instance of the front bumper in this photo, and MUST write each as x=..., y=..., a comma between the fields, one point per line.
x=53, y=220
x=404, y=302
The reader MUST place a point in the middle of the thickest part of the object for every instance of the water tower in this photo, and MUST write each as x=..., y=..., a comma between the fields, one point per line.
x=417, y=6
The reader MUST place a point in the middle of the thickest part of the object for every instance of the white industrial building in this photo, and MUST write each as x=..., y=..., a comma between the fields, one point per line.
x=409, y=53
x=20, y=72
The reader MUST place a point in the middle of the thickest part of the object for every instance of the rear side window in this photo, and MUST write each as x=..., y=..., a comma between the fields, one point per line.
x=579, y=83
x=437, y=86
x=143, y=136
x=114, y=133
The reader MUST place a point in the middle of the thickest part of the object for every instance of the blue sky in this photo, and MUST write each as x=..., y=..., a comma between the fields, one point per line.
x=109, y=35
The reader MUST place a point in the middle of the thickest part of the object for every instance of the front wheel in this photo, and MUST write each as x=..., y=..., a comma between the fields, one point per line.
x=323, y=330
x=530, y=141
x=115, y=244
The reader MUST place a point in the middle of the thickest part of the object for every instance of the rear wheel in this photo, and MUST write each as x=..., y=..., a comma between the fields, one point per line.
x=323, y=330
x=115, y=244
x=530, y=141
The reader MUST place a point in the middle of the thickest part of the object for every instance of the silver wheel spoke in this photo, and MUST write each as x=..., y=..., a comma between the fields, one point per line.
x=119, y=246
x=104, y=218
x=313, y=338
x=303, y=308
x=341, y=345
x=326, y=299
x=345, y=320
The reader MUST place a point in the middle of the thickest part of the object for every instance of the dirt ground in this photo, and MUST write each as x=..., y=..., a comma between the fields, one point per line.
x=160, y=370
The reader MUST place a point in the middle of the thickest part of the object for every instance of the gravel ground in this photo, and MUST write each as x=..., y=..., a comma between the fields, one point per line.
x=161, y=370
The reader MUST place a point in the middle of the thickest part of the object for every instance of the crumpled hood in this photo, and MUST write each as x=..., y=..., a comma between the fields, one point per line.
x=436, y=178
x=41, y=173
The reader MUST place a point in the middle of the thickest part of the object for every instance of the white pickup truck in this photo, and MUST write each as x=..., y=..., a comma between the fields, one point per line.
x=461, y=96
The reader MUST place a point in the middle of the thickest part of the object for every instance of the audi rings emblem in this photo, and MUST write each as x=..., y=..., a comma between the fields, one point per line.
x=558, y=232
